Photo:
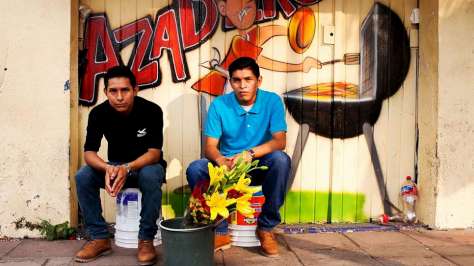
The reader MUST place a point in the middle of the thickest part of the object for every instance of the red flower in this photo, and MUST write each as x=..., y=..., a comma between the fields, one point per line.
x=234, y=194
x=205, y=206
x=200, y=188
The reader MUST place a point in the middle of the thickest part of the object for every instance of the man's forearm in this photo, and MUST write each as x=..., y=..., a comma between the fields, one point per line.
x=94, y=161
x=212, y=153
x=276, y=143
x=152, y=156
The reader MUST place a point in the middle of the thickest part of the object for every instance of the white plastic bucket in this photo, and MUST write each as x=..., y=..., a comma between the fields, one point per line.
x=246, y=244
x=128, y=219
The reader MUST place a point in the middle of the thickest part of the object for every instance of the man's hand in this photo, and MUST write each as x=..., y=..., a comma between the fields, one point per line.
x=119, y=180
x=245, y=155
x=224, y=161
x=110, y=174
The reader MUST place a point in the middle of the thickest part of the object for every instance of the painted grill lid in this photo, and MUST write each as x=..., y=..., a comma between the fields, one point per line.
x=384, y=64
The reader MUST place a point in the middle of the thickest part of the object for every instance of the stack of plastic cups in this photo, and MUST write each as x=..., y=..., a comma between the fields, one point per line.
x=242, y=229
x=127, y=221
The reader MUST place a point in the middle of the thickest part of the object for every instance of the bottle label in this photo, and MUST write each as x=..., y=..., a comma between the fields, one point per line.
x=407, y=189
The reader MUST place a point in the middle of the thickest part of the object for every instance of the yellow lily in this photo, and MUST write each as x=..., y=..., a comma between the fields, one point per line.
x=243, y=185
x=215, y=173
x=243, y=206
x=218, y=204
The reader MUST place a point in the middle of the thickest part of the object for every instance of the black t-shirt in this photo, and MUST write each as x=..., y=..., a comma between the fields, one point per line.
x=129, y=136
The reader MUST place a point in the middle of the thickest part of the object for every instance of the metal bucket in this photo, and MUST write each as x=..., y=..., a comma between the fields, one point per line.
x=187, y=246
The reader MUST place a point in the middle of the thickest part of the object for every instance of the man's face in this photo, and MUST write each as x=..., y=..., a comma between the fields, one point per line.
x=120, y=94
x=241, y=13
x=245, y=85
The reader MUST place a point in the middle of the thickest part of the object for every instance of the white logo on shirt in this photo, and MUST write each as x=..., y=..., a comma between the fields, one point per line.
x=141, y=133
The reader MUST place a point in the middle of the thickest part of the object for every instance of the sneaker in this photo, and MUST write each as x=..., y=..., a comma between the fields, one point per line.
x=146, y=252
x=93, y=249
x=268, y=242
x=221, y=242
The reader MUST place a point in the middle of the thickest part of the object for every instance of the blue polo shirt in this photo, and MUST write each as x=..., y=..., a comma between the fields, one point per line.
x=238, y=130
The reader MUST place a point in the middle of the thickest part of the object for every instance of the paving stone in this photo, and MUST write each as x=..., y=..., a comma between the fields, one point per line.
x=252, y=256
x=40, y=248
x=129, y=256
x=415, y=261
x=458, y=250
x=7, y=246
x=321, y=241
x=443, y=238
x=369, y=239
x=23, y=262
x=446, y=243
x=390, y=244
x=400, y=251
x=327, y=249
x=219, y=258
x=463, y=260
x=333, y=257
x=111, y=260
x=119, y=251
x=59, y=261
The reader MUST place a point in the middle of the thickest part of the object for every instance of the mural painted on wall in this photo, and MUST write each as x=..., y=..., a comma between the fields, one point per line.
x=250, y=39
x=176, y=34
x=343, y=108
x=331, y=108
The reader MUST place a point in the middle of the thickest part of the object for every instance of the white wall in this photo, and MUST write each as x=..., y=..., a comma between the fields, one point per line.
x=34, y=112
x=456, y=114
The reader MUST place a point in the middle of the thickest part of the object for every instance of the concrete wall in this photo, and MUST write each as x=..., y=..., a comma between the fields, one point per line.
x=34, y=112
x=455, y=114
x=428, y=112
x=445, y=114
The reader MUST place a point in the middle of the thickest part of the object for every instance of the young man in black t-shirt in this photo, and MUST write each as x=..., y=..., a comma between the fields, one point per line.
x=133, y=128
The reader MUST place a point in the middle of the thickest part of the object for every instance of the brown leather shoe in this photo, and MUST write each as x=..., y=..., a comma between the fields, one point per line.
x=221, y=242
x=93, y=249
x=146, y=252
x=268, y=242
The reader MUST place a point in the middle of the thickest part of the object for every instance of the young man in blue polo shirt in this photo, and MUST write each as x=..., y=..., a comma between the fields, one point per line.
x=249, y=122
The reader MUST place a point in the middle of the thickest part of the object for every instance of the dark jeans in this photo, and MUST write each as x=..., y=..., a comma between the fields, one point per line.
x=273, y=183
x=148, y=180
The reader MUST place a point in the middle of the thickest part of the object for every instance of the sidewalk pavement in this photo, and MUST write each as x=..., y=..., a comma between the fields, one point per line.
x=404, y=247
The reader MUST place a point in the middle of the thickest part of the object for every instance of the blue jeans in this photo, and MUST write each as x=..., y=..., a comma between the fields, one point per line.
x=148, y=180
x=273, y=183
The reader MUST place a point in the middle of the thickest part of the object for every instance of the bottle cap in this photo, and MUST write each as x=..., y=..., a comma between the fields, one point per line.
x=383, y=219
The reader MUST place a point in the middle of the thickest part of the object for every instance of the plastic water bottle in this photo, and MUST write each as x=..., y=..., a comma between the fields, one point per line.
x=409, y=194
x=384, y=218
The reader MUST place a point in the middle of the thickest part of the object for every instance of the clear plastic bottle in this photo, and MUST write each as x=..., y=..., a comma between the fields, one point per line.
x=409, y=194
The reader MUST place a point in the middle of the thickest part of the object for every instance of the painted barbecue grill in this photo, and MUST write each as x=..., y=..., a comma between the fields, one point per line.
x=339, y=110
x=343, y=110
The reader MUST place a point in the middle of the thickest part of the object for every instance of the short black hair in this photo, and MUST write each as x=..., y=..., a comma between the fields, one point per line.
x=244, y=62
x=120, y=72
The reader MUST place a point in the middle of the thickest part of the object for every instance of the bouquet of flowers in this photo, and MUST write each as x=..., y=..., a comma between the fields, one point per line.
x=225, y=192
